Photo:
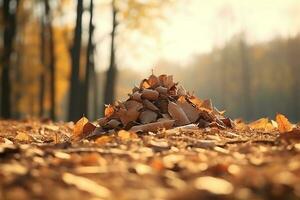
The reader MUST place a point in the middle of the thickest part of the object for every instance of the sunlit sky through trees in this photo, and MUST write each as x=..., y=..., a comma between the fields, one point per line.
x=191, y=27
x=194, y=27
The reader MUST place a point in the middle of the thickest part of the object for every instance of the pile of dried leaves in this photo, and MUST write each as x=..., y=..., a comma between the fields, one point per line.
x=158, y=103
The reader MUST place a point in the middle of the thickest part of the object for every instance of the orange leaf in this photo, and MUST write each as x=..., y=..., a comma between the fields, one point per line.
x=144, y=84
x=109, y=110
x=283, y=123
x=82, y=128
x=78, y=128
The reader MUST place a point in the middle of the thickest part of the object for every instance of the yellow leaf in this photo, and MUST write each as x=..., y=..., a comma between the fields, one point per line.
x=23, y=137
x=259, y=124
x=126, y=135
x=103, y=140
x=283, y=123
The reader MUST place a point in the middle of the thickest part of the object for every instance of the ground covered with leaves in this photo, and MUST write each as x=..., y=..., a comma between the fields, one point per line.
x=40, y=161
x=160, y=143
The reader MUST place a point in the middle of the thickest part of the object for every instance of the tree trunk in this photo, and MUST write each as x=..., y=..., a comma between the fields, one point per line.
x=43, y=63
x=89, y=69
x=246, y=85
x=74, y=99
x=9, y=17
x=51, y=60
x=293, y=61
x=109, y=94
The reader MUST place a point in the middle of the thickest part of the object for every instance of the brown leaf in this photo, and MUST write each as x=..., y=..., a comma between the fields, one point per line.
x=148, y=104
x=150, y=94
x=147, y=116
x=283, y=123
x=133, y=105
x=162, y=104
x=88, y=128
x=178, y=114
x=190, y=111
x=155, y=126
x=291, y=135
x=136, y=96
x=162, y=90
x=153, y=81
x=127, y=116
x=113, y=123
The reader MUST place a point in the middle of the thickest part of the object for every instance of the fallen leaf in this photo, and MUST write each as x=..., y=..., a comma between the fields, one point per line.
x=86, y=185
x=133, y=105
x=178, y=114
x=127, y=116
x=137, y=96
x=23, y=137
x=109, y=110
x=144, y=84
x=103, y=140
x=150, y=94
x=291, y=135
x=82, y=128
x=162, y=90
x=196, y=101
x=127, y=135
x=155, y=126
x=259, y=124
x=153, y=81
x=113, y=123
x=79, y=126
x=190, y=111
x=148, y=104
x=147, y=116
x=283, y=123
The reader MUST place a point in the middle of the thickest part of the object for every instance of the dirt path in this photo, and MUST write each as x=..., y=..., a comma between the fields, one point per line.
x=37, y=161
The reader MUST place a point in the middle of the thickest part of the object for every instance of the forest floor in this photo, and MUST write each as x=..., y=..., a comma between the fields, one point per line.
x=39, y=161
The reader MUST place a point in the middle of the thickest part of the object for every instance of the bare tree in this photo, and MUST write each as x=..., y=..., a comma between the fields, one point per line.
x=9, y=16
x=90, y=67
x=293, y=60
x=74, y=105
x=246, y=84
x=52, y=59
x=109, y=91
